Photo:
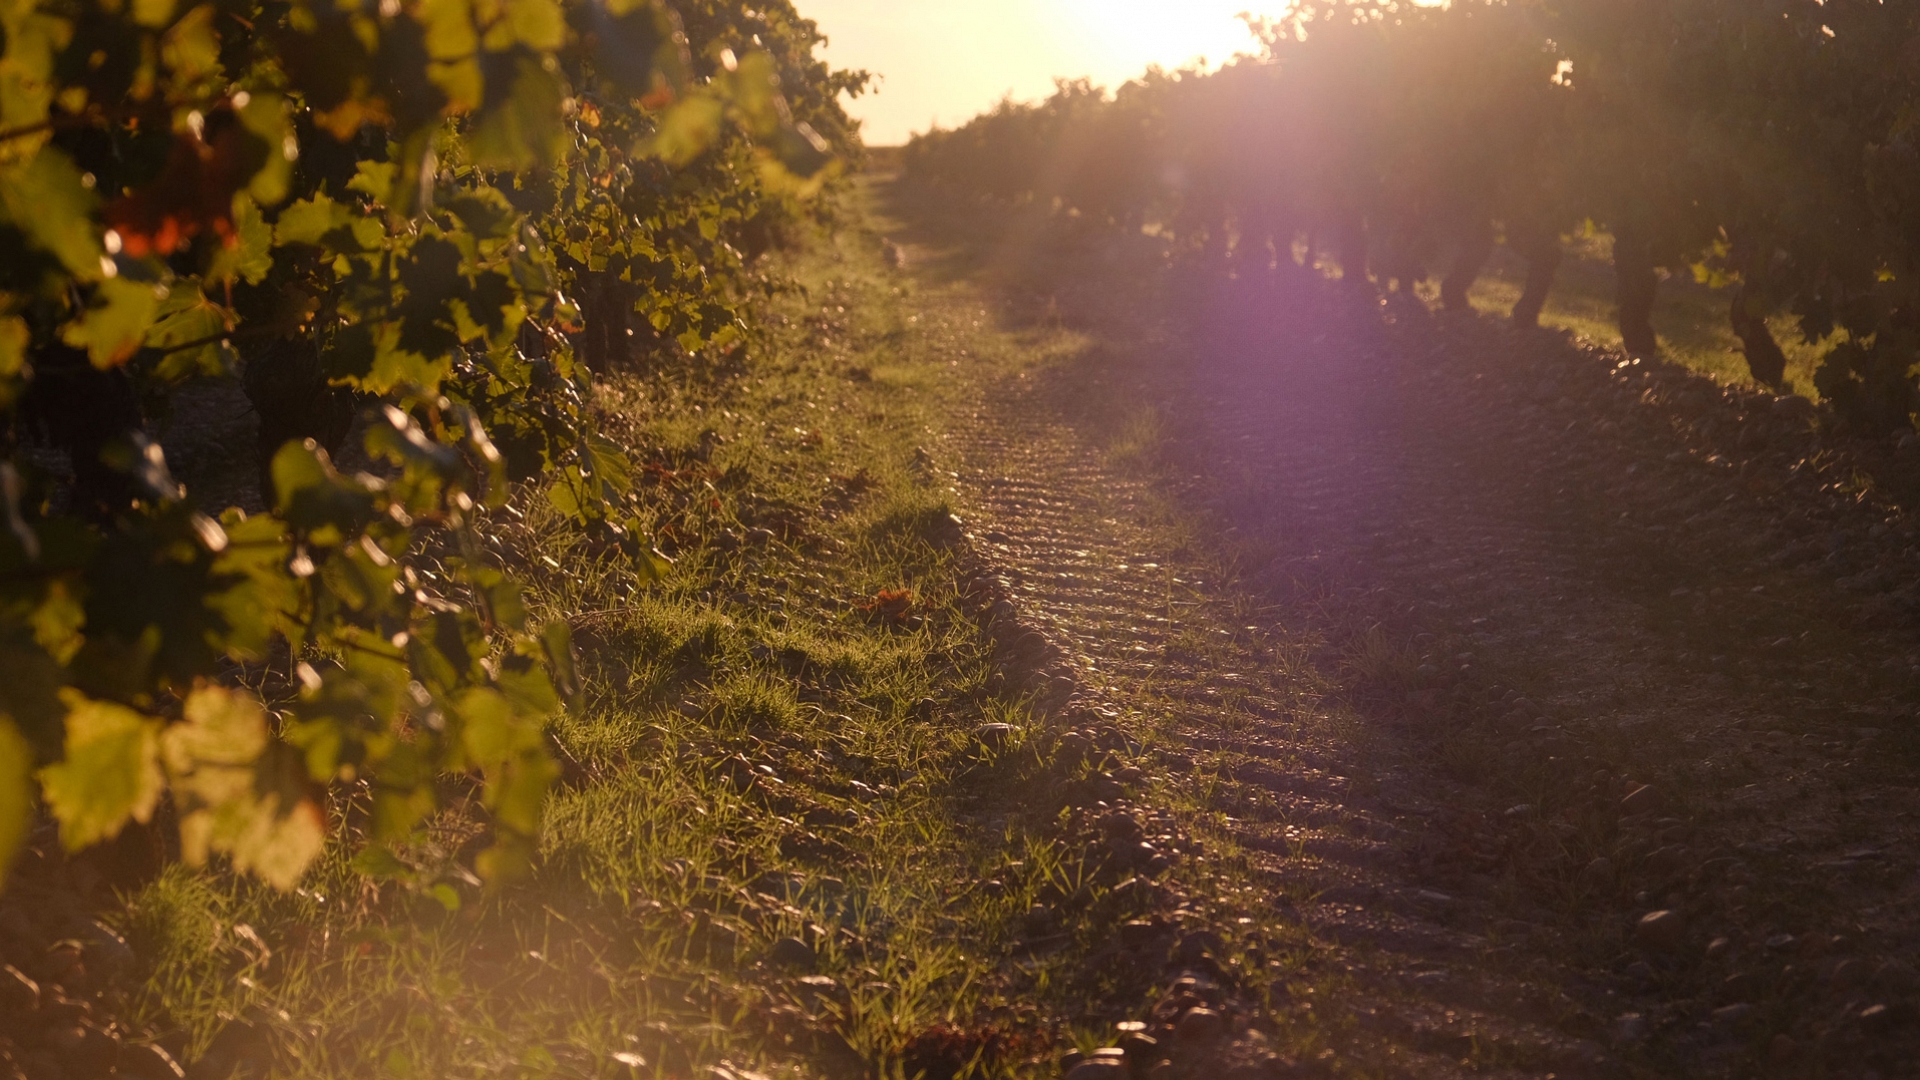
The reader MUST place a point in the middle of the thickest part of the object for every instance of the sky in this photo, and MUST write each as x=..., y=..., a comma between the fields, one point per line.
x=944, y=61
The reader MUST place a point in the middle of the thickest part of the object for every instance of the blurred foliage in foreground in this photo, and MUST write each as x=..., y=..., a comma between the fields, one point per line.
x=1766, y=145
x=413, y=222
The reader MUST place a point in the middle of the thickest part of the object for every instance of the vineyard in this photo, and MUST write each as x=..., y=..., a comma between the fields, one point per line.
x=529, y=550
x=1761, y=148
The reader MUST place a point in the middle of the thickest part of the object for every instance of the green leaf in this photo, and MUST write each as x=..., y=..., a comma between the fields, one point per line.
x=190, y=331
x=375, y=861
x=15, y=335
x=16, y=793
x=266, y=116
x=375, y=179
x=686, y=129
x=191, y=46
x=315, y=499
x=260, y=594
x=48, y=200
x=519, y=126
x=537, y=24
x=110, y=774
x=556, y=640
x=248, y=254
x=115, y=323
x=57, y=621
x=311, y=221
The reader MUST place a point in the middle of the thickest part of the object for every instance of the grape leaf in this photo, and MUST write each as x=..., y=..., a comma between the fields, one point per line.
x=48, y=201
x=110, y=774
x=114, y=324
x=16, y=793
x=235, y=792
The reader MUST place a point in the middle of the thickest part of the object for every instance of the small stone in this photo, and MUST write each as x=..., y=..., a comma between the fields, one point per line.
x=1197, y=944
x=1136, y=933
x=1849, y=972
x=1641, y=800
x=1141, y=1048
x=1782, y=1048
x=813, y=991
x=1629, y=1028
x=85, y=1050
x=1098, y=1068
x=1200, y=1024
x=1779, y=941
x=41, y=1066
x=1876, y=1016
x=1717, y=947
x=1162, y=1070
x=1597, y=872
x=1640, y=970
x=1523, y=810
x=150, y=1063
x=1660, y=930
x=106, y=951
x=791, y=952
x=1732, y=1014
x=995, y=736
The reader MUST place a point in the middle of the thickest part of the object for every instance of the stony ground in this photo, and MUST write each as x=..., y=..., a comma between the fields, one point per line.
x=1563, y=701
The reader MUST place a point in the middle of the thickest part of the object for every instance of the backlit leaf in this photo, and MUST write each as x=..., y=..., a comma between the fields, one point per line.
x=110, y=774
x=16, y=793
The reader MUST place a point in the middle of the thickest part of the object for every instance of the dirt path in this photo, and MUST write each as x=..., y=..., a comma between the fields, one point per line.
x=1525, y=675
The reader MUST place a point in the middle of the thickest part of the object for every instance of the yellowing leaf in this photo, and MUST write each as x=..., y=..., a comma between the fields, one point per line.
x=46, y=200
x=310, y=220
x=265, y=115
x=14, y=337
x=16, y=793
x=191, y=48
x=153, y=14
x=57, y=622
x=110, y=774
x=249, y=254
x=222, y=728
x=537, y=24
x=239, y=793
x=686, y=130
x=521, y=128
x=115, y=322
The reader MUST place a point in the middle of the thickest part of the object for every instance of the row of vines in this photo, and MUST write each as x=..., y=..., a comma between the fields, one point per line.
x=409, y=231
x=1768, y=146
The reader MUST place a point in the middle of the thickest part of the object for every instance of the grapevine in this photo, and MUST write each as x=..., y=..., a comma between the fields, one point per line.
x=410, y=229
x=1766, y=147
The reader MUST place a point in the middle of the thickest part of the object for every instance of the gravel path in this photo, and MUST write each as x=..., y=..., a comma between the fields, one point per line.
x=1563, y=701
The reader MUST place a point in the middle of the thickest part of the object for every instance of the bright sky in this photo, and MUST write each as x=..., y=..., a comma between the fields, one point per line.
x=947, y=60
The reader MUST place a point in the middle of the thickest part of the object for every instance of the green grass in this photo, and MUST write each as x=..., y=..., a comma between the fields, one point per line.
x=1690, y=318
x=757, y=757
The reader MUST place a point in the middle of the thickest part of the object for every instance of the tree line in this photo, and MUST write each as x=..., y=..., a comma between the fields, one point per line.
x=1768, y=146
x=419, y=225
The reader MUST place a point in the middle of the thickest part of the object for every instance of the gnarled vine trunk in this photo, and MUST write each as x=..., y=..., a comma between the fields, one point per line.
x=1541, y=248
x=1764, y=359
x=1635, y=285
x=1476, y=247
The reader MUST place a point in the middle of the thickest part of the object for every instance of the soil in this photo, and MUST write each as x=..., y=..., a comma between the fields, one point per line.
x=1565, y=700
